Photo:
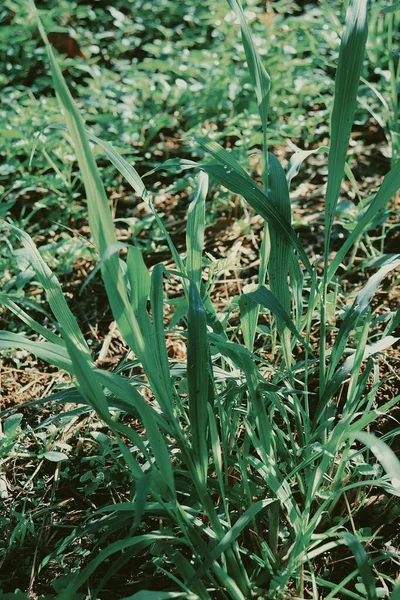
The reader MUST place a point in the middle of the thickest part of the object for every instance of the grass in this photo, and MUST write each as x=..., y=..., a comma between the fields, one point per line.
x=251, y=462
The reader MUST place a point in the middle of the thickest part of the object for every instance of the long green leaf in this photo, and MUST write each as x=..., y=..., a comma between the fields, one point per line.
x=362, y=562
x=260, y=79
x=198, y=380
x=390, y=185
x=359, y=305
x=195, y=231
x=351, y=57
x=268, y=300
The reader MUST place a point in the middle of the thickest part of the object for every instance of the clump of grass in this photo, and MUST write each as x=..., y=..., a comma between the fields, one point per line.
x=249, y=473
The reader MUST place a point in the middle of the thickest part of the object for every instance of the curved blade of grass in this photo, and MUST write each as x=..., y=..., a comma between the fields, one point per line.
x=351, y=56
x=133, y=178
x=102, y=229
x=27, y=319
x=55, y=354
x=55, y=297
x=385, y=455
x=360, y=304
x=362, y=562
x=297, y=159
x=230, y=174
x=139, y=284
x=390, y=185
x=231, y=536
x=195, y=230
x=100, y=219
x=140, y=542
x=268, y=300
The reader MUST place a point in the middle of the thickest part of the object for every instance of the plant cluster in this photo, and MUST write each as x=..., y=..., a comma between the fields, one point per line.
x=250, y=461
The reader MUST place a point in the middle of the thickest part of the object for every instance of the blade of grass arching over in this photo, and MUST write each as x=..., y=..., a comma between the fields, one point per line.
x=297, y=159
x=100, y=220
x=129, y=172
x=232, y=175
x=102, y=229
x=254, y=195
x=54, y=294
x=54, y=354
x=268, y=300
x=360, y=304
x=384, y=455
x=262, y=85
x=225, y=158
x=50, y=336
x=90, y=387
x=195, y=230
x=198, y=381
x=389, y=187
x=363, y=564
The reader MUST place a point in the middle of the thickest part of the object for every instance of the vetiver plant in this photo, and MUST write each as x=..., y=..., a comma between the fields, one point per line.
x=247, y=465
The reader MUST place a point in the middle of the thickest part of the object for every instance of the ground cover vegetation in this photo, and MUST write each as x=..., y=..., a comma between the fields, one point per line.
x=199, y=304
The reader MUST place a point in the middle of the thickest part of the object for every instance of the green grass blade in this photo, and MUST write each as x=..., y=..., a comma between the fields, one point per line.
x=281, y=250
x=248, y=319
x=385, y=456
x=268, y=300
x=195, y=231
x=198, y=380
x=139, y=281
x=254, y=195
x=260, y=79
x=157, y=306
x=27, y=319
x=351, y=56
x=360, y=304
x=389, y=187
x=55, y=354
x=363, y=564
x=100, y=219
x=55, y=297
